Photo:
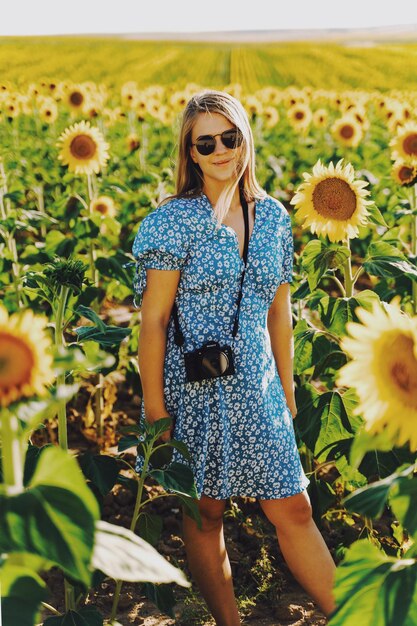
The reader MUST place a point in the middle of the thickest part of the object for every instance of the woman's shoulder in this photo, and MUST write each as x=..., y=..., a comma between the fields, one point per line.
x=172, y=210
x=276, y=208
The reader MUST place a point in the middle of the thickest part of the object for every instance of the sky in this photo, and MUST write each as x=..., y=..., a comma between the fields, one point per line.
x=56, y=17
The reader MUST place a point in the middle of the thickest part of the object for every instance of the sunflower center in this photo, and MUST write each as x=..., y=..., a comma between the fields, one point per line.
x=76, y=98
x=101, y=207
x=404, y=369
x=83, y=147
x=406, y=174
x=16, y=362
x=335, y=199
x=299, y=115
x=347, y=131
x=410, y=144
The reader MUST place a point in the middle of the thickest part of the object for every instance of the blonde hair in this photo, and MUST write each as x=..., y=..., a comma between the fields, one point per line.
x=189, y=177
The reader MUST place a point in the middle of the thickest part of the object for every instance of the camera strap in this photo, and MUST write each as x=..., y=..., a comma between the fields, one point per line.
x=178, y=336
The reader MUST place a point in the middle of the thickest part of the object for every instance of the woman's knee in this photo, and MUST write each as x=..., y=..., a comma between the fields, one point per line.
x=288, y=511
x=211, y=512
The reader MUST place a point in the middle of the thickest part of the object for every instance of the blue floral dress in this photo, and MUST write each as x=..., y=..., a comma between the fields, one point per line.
x=238, y=428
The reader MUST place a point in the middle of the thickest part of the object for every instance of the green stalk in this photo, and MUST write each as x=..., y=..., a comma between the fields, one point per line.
x=12, y=456
x=99, y=378
x=59, y=341
x=133, y=523
x=414, y=246
x=62, y=415
x=10, y=241
x=91, y=252
x=347, y=266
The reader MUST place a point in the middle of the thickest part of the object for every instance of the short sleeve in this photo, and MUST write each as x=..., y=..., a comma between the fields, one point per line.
x=288, y=251
x=162, y=242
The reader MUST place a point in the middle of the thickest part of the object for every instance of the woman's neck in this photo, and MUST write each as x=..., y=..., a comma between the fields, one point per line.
x=213, y=194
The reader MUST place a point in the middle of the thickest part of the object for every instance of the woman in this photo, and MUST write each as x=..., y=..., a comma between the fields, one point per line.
x=236, y=421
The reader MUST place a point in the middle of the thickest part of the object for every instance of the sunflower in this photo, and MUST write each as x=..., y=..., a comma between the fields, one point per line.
x=331, y=202
x=25, y=356
x=271, y=116
x=320, y=118
x=83, y=148
x=103, y=205
x=133, y=142
x=48, y=111
x=404, y=173
x=76, y=98
x=347, y=131
x=300, y=116
x=404, y=145
x=383, y=370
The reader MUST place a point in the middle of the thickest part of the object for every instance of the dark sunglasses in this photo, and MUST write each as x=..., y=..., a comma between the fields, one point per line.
x=206, y=144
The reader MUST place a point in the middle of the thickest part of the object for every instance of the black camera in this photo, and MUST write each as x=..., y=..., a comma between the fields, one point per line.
x=209, y=361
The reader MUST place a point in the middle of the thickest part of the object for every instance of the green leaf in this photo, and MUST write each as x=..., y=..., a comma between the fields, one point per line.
x=22, y=591
x=335, y=313
x=122, y=555
x=101, y=469
x=371, y=500
x=88, y=616
x=162, y=596
x=384, y=259
x=177, y=478
x=372, y=589
x=403, y=498
x=318, y=257
x=311, y=347
x=91, y=315
x=149, y=527
x=323, y=420
x=375, y=215
x=54, y=518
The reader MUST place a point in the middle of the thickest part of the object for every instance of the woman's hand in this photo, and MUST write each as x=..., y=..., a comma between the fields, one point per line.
x=293, y=407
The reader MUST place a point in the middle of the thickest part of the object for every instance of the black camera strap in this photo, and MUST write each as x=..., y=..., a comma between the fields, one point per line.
x=178, y=336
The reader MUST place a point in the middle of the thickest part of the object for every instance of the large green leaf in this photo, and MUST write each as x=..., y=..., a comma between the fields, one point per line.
x=318, y=257
x=101, y=469
x=335, y=313
x=312, y=347
x=384, y=259
x=54, y=518
x=122, y=555
x=22, y=591
x=372, y=589
x=177, y=478
x=371, y=500
x=403, y=498
x=326, y=419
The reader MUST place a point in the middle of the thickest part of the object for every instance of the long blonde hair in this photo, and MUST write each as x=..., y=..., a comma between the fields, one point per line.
x=189, y=177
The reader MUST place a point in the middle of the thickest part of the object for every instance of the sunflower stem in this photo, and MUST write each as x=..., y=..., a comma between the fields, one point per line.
x=348, y=273
x=92, y=252
x=10, y=240
x=59, y=342
x=12, y=457
x=133, y=523
x=414, y=246
x=99, y=378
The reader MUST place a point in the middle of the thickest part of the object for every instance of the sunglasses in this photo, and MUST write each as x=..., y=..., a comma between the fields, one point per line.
x=206, y=144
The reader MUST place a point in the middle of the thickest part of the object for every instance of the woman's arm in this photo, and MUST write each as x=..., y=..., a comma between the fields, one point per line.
x=157, y=303
x=282, y=341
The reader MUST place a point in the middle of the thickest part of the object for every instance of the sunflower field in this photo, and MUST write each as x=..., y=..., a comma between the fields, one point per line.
x=80, y=165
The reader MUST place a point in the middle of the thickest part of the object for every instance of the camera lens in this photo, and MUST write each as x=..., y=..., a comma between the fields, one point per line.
x=215, y=362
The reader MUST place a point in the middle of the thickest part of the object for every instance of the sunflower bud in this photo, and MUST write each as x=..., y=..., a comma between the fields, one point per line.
x=69, y=273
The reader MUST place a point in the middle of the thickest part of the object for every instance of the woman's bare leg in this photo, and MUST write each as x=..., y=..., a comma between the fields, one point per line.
x=303, y=547
x=208, y=560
